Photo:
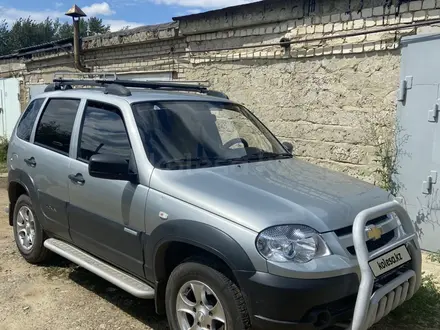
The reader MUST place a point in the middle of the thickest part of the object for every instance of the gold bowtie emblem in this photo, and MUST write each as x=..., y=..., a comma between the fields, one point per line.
x=374, y=233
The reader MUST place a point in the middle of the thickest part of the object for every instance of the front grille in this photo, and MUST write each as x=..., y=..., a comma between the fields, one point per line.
x=374, y=245
x=349, y=229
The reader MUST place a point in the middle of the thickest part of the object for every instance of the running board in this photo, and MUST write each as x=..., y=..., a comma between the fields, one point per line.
x=115, y=276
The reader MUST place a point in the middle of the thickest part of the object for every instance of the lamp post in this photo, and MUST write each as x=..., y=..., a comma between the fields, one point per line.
x=76, y=13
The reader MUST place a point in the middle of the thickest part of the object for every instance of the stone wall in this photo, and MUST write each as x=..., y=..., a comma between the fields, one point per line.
x=332, y=93
x=331, y=108
x=331, y=90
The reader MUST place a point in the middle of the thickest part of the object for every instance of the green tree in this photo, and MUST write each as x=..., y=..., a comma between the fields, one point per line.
x=97, y=27
x=26, y=32
x=65, y=30
x=4, y=38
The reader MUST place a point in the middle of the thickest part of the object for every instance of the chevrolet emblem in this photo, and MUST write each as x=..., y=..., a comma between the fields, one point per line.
x=374, y=233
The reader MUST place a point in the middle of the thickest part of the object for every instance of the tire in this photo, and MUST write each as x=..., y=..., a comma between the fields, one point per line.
x=34, y=253
x=226, y=292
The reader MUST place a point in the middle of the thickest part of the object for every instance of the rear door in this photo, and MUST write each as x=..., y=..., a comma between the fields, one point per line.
x=106, y=216
x=47, y=161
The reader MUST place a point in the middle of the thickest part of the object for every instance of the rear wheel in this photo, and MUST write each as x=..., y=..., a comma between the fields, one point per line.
x=199, y=297
x=28, y=233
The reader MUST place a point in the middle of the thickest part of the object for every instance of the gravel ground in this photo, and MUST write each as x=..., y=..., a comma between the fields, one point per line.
x=63, y=296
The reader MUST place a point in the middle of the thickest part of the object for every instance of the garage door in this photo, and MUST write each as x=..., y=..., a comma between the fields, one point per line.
x=419, y=136
x=9, y=105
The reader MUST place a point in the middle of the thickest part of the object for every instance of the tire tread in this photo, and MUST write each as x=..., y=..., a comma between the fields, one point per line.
x=191, y=265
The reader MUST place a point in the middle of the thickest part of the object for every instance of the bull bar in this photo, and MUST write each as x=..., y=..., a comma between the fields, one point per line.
x=371, y=306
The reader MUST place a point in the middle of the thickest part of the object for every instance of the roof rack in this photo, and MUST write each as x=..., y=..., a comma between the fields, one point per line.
x=120, y=87
x=88, y=75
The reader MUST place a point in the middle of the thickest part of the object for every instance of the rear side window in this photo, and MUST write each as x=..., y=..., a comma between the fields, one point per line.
x=55, y=127
x=24, y=128
x=103, y=132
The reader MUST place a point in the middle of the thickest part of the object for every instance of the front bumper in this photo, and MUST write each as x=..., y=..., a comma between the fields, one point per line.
x=279, y=303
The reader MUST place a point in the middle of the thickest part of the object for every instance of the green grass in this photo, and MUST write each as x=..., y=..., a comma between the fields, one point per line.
x=3, y=154
x=3, y=168
x=420, y=312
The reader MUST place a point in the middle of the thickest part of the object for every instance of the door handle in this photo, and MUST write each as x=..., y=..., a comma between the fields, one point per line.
x=77, y=179
x=30, y=162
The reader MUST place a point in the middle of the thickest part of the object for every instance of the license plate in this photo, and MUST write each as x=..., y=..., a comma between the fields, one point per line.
x=389, y=261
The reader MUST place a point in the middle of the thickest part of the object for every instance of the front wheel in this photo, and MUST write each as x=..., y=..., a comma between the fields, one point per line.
x=199, y=297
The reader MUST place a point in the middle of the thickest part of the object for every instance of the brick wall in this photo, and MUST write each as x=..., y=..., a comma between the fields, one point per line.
x=330, y=93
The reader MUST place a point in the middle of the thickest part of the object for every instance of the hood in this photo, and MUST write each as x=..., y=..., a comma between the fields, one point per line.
x=262, y=194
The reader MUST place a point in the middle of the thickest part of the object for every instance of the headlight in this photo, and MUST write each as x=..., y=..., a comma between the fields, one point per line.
x=291, y=243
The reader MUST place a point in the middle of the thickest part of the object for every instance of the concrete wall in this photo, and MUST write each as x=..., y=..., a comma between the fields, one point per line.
x=331, y=94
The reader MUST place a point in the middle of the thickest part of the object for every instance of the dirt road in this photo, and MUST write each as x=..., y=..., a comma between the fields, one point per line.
x=62, y=296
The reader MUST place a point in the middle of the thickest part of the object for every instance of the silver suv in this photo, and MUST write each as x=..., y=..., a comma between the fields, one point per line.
x=173, y=192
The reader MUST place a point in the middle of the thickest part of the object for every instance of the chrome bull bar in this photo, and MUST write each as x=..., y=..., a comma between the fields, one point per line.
x=371, y=306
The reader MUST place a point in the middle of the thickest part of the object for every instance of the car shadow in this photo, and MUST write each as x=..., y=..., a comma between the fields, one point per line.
x=141, y=309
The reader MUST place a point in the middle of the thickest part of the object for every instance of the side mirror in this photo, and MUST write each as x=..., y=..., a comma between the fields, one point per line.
x=288, y=146
x=111, y=167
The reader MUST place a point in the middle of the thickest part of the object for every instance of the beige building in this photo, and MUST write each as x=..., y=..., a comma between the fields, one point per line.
x=323, y=74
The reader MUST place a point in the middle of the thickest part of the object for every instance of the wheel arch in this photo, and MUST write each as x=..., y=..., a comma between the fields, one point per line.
x=175, y=241
x=19, y=183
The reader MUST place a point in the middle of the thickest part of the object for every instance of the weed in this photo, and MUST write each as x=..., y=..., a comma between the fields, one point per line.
x=387, y=157
x=421, y=310
x=3, y=149
x=434, y=256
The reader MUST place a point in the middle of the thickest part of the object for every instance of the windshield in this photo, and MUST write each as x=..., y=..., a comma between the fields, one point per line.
x=187, y=134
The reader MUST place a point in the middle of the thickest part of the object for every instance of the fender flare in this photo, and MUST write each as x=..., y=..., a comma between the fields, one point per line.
x=20, y=177
x=204, y=236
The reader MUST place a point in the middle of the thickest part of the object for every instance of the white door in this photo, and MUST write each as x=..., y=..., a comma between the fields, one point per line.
x=9, y=106
x=35, y=90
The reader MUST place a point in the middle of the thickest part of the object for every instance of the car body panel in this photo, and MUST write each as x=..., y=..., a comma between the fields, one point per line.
x=288, y=191
x=108, y=229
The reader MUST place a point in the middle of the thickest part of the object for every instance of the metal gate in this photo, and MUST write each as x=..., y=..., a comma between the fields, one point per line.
x=36, y=89
x=9, y=106
x=418, y=135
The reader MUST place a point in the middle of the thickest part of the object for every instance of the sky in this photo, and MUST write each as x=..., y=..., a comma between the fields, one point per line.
x=116, y=13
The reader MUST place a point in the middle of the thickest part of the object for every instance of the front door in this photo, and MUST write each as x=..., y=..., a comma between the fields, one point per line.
x=106, y=217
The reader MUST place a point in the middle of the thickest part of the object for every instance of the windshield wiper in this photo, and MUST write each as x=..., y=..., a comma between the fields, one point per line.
x=264, y=155
x=188, y=161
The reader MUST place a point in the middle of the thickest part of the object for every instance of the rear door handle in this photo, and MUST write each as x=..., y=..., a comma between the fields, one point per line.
x=77, y=179
x=30, y=162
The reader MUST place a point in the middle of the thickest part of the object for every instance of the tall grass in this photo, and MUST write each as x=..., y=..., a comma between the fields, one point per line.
x=3, y=150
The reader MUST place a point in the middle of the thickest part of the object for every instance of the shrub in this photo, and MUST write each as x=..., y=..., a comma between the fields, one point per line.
x=3, y=149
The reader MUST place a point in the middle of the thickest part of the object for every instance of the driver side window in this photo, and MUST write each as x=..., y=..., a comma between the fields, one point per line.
x=103, y=132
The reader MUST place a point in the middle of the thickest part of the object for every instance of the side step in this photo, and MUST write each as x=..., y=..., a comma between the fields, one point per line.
x=115, y=276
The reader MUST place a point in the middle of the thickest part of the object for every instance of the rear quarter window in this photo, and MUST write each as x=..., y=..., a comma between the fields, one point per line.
x=27, y=121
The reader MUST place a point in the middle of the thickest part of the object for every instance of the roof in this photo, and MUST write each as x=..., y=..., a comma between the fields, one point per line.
x=47, y=46
x=216, y=11
x=420, y=37
x=137, y=96
x=144, y=28
x=88, y=42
